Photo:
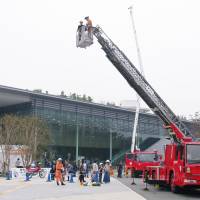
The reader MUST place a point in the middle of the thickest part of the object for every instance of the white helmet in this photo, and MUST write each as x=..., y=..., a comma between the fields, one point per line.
x=107, y=161
x=59, y=158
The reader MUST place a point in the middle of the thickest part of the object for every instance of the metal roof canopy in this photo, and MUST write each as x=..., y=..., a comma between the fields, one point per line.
x=23, y=96
x=8, y=99
x=9, y=96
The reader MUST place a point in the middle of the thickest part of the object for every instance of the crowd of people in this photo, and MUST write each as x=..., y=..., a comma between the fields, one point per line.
x=96, y=172
x=62, y=171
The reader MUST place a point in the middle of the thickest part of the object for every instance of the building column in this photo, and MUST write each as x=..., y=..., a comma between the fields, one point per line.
x=77, y=142
x=111, y=145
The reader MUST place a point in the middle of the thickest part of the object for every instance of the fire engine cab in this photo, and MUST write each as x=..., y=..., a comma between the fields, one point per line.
x=138, y=160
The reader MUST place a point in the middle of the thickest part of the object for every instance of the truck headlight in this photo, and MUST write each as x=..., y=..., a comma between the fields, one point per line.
x=188, y=170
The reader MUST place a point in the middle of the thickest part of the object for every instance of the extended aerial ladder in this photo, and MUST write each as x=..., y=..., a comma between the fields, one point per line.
x=182, y=167
x=177, y=129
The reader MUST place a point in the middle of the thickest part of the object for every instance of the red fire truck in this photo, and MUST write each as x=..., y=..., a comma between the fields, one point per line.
x=181, y=164
x=180, y=167
x=136, y=162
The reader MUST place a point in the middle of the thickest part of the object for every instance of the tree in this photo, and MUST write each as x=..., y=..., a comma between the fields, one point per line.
x=34, y=135
x=29, y=134
x=84, y=98
x=73, y=96
x=8, y=137
x=62, y=94
x=90, y=99
x=196, y=120
x=181, y=117
x=110, y=104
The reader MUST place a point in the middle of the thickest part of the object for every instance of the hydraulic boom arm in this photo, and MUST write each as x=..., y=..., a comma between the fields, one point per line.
x=179, y=132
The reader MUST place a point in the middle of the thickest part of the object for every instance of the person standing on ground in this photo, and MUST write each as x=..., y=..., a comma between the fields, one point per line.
x=100, y=172
x=119, y=170
x=1, y=167
x=18, y=163
x=65, y=170
x=95, y=172
x=106, y=178
x=75, y=168
x=53, y=169
x=85, y=169
x=111, y=170
x=81, y=176
x=59, y=169
x=69, y=170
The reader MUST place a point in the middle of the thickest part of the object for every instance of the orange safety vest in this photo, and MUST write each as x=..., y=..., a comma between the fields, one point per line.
x=59, y=166
x=89, y=25
x=89, y=22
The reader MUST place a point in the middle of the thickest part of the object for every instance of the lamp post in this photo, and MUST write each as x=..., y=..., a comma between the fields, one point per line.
x=77, y=142
x=111, y=145
x=77, y=139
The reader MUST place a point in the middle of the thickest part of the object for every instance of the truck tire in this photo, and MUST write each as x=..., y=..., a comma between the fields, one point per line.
x=173, y=187
x=136, y=174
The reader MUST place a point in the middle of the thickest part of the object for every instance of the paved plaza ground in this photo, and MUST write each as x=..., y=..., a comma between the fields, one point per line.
x=39, y=189
x=155, y=193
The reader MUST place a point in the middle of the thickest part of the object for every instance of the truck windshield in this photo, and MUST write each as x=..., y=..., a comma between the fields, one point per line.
x=147, y=157
x=129, y=156
x=193, y=155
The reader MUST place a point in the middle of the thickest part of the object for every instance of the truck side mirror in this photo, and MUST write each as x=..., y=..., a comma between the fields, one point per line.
x=156, y=157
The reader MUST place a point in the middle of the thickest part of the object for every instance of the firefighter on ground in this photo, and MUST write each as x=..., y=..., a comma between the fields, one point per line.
x=59, y=170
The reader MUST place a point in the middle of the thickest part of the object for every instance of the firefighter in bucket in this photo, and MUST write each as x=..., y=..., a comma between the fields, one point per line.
x=84, y=36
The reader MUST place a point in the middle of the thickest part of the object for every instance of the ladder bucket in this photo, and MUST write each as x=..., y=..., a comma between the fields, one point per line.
x=84, y=39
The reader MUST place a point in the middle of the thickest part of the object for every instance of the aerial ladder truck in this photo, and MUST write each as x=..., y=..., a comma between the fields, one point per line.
x=181, y=163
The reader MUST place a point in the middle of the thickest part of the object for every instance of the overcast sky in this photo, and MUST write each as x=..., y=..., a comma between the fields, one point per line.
x=37, y=48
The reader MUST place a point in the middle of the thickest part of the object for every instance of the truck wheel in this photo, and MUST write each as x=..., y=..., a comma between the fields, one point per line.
x=136, y=174
x=173, y=187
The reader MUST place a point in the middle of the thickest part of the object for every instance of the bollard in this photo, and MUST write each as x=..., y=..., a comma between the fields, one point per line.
x=49, y=177
x=133, y=176
x=133, y=182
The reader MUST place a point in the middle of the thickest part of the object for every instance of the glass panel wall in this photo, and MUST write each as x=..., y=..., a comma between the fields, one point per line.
x=95, y=124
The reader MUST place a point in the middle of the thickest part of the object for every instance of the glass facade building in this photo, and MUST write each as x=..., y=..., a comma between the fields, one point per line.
x=78, y=128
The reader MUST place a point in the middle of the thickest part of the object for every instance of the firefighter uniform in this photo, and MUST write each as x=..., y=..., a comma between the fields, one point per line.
x=58, y=174
x=88, y=24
